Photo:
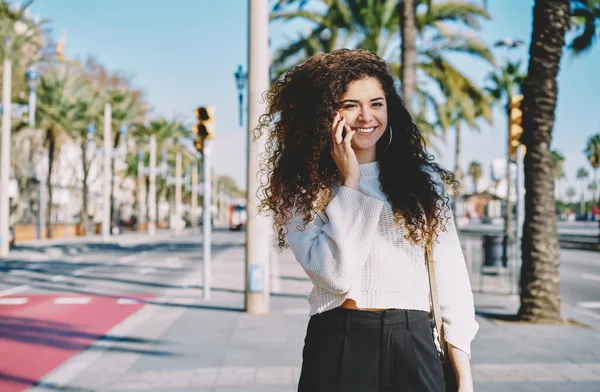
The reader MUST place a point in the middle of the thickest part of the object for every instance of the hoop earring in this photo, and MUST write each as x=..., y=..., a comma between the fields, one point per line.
x=390, y=142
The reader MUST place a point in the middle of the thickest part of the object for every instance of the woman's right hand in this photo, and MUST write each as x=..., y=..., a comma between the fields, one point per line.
x=343, y=153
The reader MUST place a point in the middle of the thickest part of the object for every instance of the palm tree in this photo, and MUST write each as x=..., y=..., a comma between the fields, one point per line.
x=23, y=42
x=540, y=277
x=91, y=109
x=584, y=24
x=331, y=30
x=57, y=114
x=558, y=171
x=503, y=84
x=461, y=110
x=475, y=171
x=373, y=24
x=408, y=69
x=127, y=108
x=170, y=139
x=571, y=192
x=592, y=152
x=593, y=187
x=582, y=175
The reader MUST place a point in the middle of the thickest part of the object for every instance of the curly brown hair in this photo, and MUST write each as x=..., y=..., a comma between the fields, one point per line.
x=298, y=172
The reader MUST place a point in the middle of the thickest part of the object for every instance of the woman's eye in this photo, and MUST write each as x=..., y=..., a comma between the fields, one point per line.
x=348, y=106
x=378, y=104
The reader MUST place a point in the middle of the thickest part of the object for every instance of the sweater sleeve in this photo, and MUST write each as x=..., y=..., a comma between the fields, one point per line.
x=454, y=289
x=334, y=250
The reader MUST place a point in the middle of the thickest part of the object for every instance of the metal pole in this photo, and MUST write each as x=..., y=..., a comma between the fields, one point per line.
x=152, y=188
x=520, y=187
x=194, y=196
x=32, y=107
x=508, y=234
x=141, y=190
x=206, y=215
x=258, y=226
x=5, y=158
x=107, y=174
x=32, y=74
x=178, y=206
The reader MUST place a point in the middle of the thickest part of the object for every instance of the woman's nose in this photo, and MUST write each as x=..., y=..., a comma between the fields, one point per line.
x=365, y=115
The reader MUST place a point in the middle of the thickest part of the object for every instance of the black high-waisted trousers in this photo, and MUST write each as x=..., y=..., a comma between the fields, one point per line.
x=363, y=351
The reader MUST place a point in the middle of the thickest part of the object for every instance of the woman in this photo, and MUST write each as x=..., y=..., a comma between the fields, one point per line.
x=356, y=196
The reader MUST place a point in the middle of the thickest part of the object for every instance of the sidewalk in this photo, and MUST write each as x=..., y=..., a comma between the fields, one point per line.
x=188, y=344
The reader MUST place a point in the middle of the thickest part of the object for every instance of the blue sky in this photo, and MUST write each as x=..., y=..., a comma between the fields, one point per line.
x=183, y=54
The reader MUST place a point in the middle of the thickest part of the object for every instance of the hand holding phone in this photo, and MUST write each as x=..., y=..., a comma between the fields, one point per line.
x=343, y=153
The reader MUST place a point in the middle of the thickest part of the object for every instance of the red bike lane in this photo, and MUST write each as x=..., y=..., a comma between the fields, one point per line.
x=40, y=332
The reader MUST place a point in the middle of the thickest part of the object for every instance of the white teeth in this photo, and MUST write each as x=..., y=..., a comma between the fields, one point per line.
x=364, y=130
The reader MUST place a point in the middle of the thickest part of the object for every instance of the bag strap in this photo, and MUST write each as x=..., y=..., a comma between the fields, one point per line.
x=437, y=311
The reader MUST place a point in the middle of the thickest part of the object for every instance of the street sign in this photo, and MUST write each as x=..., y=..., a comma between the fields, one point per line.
x=17, y=110
x=257, y=278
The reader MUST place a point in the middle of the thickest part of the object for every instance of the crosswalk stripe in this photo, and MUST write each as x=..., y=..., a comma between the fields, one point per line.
x=72, y=300
x=589, y=305
x=14, y=290
x=13, y=301
x=128, y=301
x=585, y=275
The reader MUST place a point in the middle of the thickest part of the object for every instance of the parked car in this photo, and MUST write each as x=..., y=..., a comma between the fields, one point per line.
x=237, y=217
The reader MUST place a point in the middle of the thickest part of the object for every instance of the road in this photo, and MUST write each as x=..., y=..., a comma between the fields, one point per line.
x=580, y=279
x=567, y=228
x=579, y=270
x=57, y=300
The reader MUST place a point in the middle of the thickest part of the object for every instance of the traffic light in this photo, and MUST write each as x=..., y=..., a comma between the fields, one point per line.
x=515, y=128
x=205, y=127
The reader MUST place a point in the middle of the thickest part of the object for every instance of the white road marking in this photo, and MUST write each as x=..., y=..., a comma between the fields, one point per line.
x=128, y=301
x=82, y=271
x=13, y=301
x=14, y=290
x=127, y=259
x=72, y=300
x=589, y=305
x=585, y=275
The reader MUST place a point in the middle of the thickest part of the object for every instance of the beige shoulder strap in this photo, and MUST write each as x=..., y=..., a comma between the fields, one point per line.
x=437, y=312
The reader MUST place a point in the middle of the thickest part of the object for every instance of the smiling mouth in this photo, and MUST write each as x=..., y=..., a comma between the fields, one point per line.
x=364, y=131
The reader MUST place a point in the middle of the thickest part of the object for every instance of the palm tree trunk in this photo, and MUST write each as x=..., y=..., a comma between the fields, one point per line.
x=51, y=149
x=457, y=171
x=84, y=196
x=540, y=277
x=408, y=56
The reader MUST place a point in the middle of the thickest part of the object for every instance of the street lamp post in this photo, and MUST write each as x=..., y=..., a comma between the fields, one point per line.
x=141, y=189
x=107, y=173
x=32, y=81
x=5, y=155
x=241, y=78
x=178, y=193
x=194, y=204
x=508, y=234
x=152, y=210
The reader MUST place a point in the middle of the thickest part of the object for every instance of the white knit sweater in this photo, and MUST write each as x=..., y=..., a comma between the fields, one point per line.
x=353, y=249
